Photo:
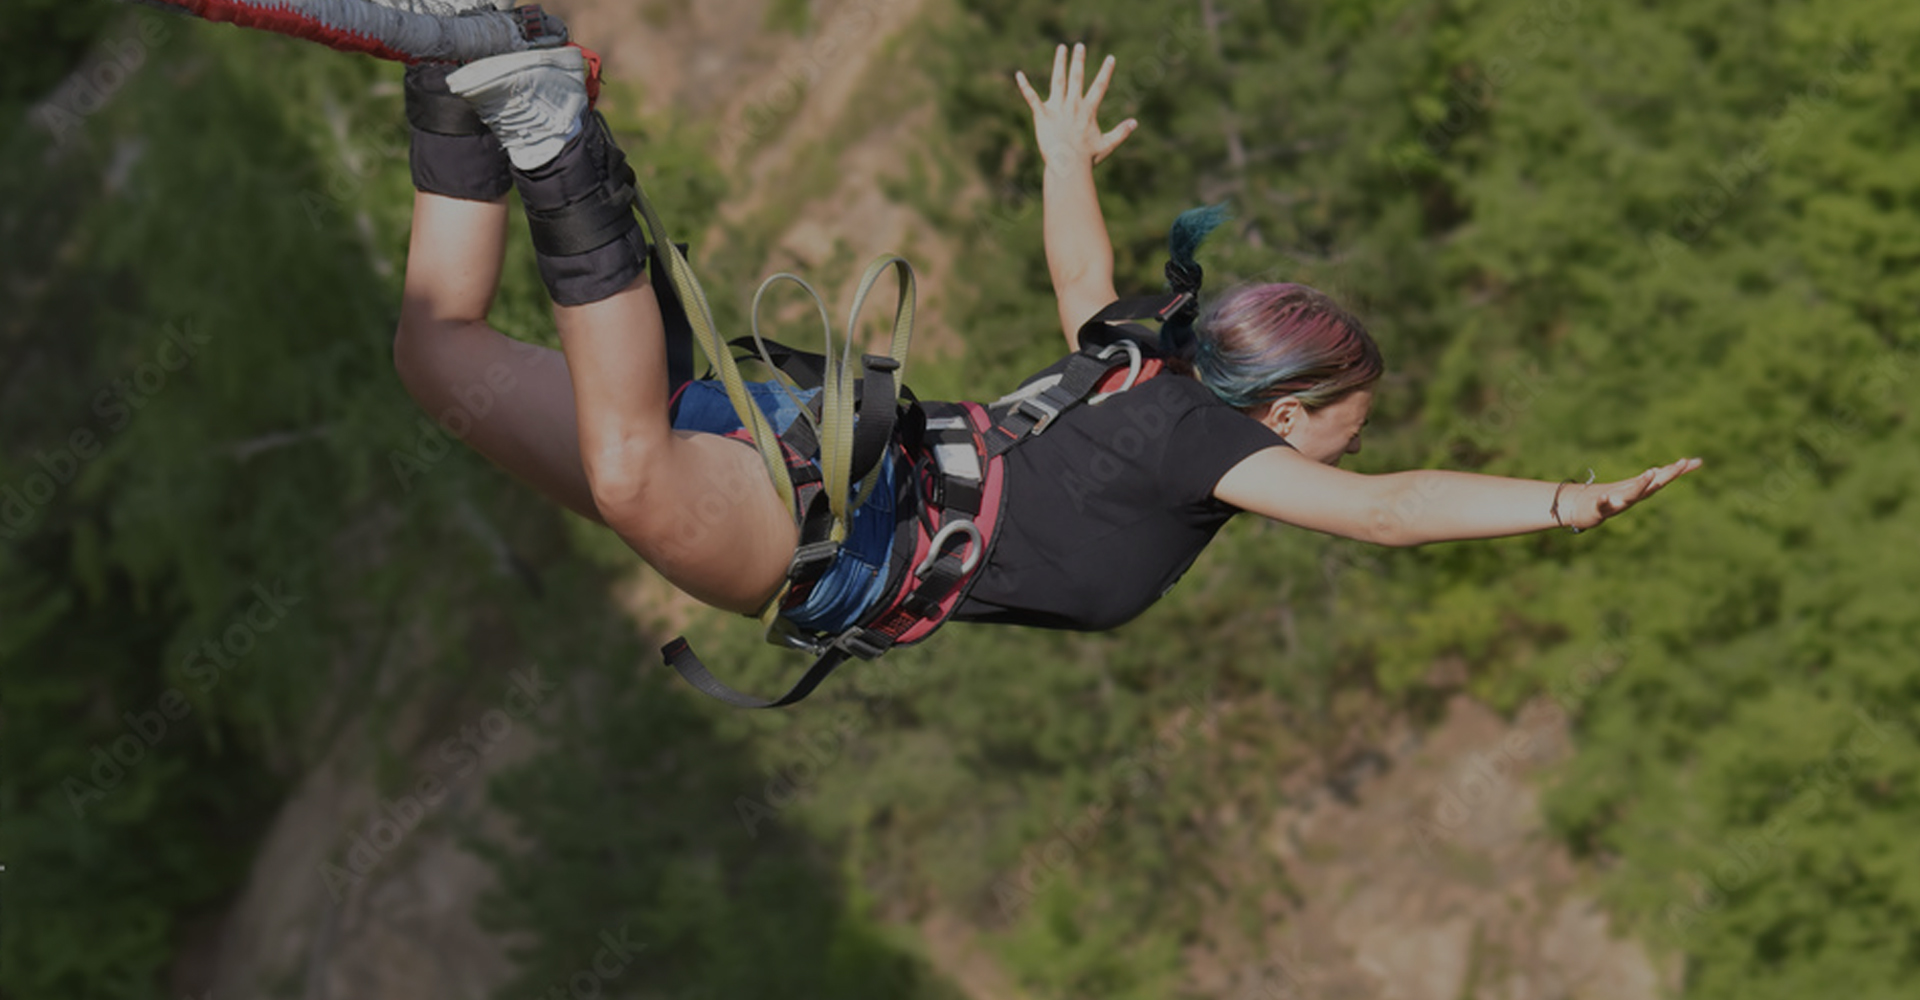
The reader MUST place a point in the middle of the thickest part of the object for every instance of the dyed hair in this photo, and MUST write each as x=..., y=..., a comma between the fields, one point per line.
x=1260, y=342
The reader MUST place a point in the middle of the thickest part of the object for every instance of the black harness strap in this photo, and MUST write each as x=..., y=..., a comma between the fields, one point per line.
x=673, y=313
x=680, y=656
x=1034, y=414
x=879, y=412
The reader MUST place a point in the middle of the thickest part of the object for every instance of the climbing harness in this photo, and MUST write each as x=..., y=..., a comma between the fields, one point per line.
x=955, y=454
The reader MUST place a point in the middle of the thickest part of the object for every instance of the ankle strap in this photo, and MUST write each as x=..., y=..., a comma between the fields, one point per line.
x=431, y=107
x=587, y=224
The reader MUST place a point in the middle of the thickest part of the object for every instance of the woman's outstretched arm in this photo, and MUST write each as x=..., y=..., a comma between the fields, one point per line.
x=1414, y=508
x=1066, y=124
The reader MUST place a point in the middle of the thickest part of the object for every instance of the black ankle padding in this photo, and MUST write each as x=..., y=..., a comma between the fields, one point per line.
x=431, y=107
x=468, y=167
x=454, y=153
x=602, y=273
x=588, y=224
x=584, y=166
x=581, y=212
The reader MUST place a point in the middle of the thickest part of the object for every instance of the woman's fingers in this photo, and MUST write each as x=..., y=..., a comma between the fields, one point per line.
x=1059, y=83
x=1112, y=140
x=1077, y=72
x=1098, y=92
x=1027, y=91
x=1617, y=497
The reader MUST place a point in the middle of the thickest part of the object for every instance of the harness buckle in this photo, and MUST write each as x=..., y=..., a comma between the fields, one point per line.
x=810, y=557
x=936, y=547
x=855, y=641
x=1040, y=410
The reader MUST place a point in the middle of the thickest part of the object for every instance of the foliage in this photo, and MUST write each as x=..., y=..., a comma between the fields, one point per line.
x=1587, y=235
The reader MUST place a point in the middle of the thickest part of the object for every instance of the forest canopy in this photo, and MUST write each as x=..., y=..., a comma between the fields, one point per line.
x=1587, y=235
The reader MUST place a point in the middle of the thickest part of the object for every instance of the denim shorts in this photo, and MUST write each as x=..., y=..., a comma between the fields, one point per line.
x=857, y=577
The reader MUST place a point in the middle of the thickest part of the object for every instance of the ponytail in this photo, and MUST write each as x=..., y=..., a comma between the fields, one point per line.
x=1184, y=274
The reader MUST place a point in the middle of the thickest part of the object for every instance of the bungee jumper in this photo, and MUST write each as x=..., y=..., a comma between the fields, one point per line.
x=828, y=501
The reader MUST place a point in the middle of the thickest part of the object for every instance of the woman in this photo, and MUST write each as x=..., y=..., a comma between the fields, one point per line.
x=1268, y=391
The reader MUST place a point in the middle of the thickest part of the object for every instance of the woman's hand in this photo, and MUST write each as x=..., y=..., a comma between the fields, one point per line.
x=1586, y=506
x=1067, y=122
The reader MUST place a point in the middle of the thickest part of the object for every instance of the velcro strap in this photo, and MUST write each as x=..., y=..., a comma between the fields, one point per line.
x=439, y=111
x=587, y=224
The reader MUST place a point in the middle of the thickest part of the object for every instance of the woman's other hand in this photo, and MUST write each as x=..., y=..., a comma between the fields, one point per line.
x=1067, y=122
x=1586, y=506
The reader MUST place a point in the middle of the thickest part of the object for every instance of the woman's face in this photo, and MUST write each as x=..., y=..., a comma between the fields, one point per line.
x=1324, y=435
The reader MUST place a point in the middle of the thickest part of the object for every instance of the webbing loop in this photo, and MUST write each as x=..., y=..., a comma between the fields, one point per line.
x=937, y=547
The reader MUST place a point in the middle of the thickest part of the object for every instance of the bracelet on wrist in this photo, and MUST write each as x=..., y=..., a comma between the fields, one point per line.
x=1554, y=511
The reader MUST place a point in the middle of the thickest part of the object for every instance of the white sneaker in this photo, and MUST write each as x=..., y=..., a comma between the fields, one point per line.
x=531, y=100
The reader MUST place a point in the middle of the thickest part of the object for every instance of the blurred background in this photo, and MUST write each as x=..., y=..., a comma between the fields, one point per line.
x=302, y=699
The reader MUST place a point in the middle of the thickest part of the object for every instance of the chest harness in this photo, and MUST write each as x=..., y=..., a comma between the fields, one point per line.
x=952, y=455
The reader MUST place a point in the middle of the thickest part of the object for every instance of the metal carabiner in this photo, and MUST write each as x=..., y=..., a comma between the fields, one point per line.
x=945, y=535
x=1134, y=364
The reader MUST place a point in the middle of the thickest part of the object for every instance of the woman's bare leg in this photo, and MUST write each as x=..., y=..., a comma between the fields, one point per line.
x=516, y=397
x=697, y=507
x=592, y=432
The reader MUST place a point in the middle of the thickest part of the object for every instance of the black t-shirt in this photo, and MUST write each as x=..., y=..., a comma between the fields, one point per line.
x=1110, y=505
